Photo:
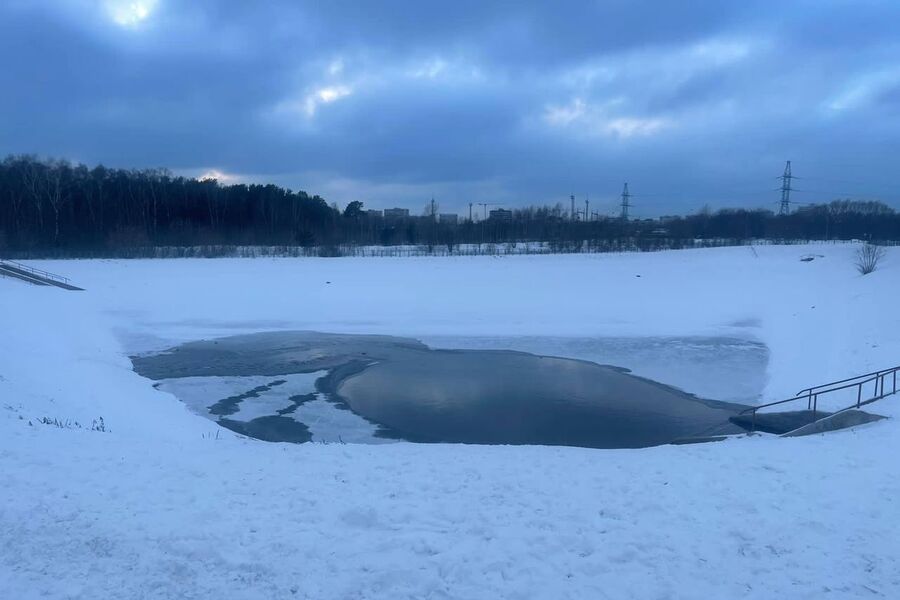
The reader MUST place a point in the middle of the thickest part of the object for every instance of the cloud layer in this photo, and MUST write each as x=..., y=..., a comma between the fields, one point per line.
x=511, y=102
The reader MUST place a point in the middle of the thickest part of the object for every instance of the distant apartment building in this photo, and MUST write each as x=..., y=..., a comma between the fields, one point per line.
x=374, y=213
x=500, y=214
x=396, y=213
x=448, y=218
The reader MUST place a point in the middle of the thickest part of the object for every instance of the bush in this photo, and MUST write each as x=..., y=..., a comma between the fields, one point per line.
x=96, y=424
x=868, y=257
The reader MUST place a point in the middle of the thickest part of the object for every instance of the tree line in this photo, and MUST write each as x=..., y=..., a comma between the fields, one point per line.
x=54, y=207
x=48, y=204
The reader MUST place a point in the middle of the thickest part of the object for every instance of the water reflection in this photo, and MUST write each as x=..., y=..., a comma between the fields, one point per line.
x=501, y=397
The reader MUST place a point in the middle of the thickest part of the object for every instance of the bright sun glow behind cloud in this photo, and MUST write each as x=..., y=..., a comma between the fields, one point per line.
x=325, y=95
x=129, y=13
x=217, y=175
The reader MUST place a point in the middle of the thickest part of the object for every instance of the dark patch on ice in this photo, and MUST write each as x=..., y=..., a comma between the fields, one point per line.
x=296, y=401
x=270, y=429
x=269, y=354
x=231, y=405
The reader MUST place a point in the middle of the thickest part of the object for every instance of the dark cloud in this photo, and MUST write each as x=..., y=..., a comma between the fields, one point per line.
x=524, y=102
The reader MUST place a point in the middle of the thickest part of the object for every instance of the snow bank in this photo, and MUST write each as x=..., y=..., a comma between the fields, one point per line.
x=59, y=359
x=157, y=507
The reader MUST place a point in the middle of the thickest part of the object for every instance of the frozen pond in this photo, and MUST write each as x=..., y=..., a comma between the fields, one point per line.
x=307, y=386
x=732, y=369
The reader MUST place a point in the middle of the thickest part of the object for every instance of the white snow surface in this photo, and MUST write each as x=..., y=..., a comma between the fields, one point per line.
x=157, y=507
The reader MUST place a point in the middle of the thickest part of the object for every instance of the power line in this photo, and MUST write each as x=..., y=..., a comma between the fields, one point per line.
x=829, y=180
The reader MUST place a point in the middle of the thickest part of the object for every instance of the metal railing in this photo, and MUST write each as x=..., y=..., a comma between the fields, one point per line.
x=32, y=270
x=860, y=382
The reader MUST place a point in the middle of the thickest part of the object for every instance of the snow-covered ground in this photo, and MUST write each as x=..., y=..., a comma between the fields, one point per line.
x=158, y=506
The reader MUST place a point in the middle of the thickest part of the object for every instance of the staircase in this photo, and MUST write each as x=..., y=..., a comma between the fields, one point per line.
x=34, y=276
x=866, y=389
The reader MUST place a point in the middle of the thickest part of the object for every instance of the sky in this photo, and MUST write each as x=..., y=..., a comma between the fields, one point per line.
x=513, y=103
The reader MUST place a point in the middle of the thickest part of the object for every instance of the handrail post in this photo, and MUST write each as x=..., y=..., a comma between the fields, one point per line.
x=895, y=381
x=815, y=405
x=858, y=395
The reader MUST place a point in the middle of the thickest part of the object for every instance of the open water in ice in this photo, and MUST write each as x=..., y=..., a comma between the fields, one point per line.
x=308, y=386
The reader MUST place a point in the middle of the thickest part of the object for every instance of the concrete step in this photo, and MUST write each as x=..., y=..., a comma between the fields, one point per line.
x=699, y=440
x=839, y=420
x=14, y=274
x=778, y=422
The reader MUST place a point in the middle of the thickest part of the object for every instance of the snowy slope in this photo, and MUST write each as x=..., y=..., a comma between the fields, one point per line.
x=157, y=507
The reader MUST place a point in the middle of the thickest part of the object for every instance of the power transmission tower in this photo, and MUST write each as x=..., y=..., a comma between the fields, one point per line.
x=786, y=189
x=587, y=203
x=626, y=203
x=470, y=212
x=433, y=225
x=572, y=213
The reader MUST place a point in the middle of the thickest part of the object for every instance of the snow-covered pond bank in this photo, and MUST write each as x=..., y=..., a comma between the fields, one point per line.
x=269, y=386
x=159, y=506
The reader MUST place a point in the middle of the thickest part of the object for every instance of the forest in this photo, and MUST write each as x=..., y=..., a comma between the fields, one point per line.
x=55, y=208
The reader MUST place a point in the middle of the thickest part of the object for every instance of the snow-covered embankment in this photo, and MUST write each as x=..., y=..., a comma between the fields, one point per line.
x=158, y=507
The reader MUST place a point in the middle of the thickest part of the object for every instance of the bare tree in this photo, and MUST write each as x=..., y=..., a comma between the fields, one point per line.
x=30, y=172
x=57, y=191
x=868, y=257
